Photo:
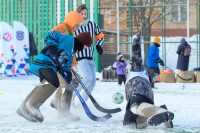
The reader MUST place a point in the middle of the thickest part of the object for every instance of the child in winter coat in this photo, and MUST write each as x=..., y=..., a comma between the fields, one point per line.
x=140, y=109
x=121, y=68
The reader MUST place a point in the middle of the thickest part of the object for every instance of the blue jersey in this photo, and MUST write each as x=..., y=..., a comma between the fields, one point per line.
x=62, y=43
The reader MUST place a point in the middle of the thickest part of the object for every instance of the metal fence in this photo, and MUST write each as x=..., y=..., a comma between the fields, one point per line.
x=173, y=23
x=40, y=16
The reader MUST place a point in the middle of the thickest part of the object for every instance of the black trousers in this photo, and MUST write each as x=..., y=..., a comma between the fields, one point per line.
x=121, y=78
x=49, y=75
x=153, y=72
x=129, y=116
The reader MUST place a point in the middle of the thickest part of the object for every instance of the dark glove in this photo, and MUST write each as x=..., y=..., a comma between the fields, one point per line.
x=160, y=61
x=99, y=49
x=54, y=57
x=63, y=58
x=68, y=77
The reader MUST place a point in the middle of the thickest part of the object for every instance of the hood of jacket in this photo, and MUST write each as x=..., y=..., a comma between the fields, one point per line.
x=72, y=19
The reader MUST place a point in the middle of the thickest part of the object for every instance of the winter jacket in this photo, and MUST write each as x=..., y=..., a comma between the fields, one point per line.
x=66, y=27
x=71, y=19
x=138, y=82
x=139, y=86
x=32, y=45
x=59, y=42
x=120, y=66
x=183, y=61
x=153, y=55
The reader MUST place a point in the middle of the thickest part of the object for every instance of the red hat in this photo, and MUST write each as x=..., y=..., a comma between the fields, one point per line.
x=85, y=38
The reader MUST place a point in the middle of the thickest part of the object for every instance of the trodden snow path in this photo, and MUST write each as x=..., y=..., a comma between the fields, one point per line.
x=183, y=102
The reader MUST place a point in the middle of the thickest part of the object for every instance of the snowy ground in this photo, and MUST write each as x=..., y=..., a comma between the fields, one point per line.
x=183, y=102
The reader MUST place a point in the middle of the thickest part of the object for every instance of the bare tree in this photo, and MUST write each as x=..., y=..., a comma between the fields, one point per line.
x=144, y=18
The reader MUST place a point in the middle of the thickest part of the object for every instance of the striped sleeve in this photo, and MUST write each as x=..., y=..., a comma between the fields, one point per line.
x=96, y=34
x=99, y=35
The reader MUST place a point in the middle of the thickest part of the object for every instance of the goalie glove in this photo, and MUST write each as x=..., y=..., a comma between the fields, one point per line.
x=63, y=58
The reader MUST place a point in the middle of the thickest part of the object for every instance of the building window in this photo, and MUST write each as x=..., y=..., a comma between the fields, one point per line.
x=178, y=11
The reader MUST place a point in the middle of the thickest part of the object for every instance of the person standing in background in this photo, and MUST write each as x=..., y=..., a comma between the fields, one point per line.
x=153, y=59
x=183, y=52
x=120, y=67
x=85, y=58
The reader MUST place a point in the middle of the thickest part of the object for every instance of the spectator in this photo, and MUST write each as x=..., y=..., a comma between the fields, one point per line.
x=152, y=61
x=183, y=52
x=121, y=68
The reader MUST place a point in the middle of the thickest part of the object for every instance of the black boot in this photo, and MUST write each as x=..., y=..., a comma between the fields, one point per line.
x=168, y=124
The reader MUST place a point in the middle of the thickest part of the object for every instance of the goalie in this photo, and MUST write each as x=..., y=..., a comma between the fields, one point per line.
x=140, y=108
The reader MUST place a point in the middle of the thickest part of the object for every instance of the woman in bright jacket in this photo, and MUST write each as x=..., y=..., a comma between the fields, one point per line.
x=153, y=59
x=59, y=49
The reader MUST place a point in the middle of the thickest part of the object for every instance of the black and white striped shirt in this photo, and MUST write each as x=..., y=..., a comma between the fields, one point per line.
x=94, y=30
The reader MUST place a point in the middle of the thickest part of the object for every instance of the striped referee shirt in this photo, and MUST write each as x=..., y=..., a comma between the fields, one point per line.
x=94, y=30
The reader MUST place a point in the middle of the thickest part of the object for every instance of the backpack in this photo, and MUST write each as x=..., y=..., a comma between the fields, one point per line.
x=187, y=51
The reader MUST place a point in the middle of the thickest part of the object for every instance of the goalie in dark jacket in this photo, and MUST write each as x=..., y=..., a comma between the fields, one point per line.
x=140, y=108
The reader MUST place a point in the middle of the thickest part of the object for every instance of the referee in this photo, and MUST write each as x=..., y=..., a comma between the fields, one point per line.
x=85, y=58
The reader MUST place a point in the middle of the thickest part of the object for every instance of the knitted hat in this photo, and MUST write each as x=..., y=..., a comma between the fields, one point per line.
x=119, y=56
x=85, y=38
x=72, y=19
x=81, y=7
x=156, y=40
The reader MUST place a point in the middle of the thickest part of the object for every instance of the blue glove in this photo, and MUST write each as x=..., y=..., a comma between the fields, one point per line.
x=68, y=77
x=63, y=58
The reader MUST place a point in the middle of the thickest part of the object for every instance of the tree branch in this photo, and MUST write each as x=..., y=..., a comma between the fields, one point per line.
x=159, y=15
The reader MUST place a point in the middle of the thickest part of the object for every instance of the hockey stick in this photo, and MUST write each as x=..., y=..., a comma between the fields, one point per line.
x=178, y=75
x=86, y=109
x=92, y=98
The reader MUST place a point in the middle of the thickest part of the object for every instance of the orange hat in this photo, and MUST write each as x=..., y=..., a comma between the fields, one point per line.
x=60, y=27
x=72, y=19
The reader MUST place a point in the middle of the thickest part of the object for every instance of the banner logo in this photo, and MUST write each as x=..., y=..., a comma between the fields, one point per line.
x=7, y=36
x=19, y=35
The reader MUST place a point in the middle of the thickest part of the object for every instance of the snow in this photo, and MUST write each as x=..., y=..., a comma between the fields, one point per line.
x=183, y=102
x=182, y=99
